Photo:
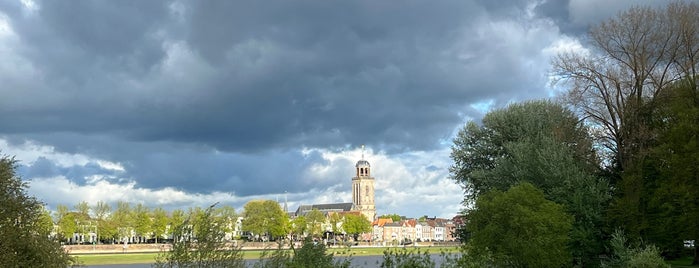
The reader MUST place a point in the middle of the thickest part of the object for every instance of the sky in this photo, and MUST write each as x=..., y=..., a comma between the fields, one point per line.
x=186, y=103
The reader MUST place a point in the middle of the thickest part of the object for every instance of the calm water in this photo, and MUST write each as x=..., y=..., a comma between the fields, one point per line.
x=357, y=261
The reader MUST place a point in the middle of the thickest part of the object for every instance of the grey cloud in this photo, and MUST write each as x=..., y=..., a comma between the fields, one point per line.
x=210, y=96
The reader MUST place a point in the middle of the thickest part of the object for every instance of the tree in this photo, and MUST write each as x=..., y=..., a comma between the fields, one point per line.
x=631, y=61
x=299, y=226
x=265, y=218
x=520, y=228
x=101, y=210
x=394, y=217
x=227, y=216
x=176, y=219
x=315, y=220
x=356, y=224
x=142, y=222
x=25, y=238
x=123, y=220
x=68, y=226
x=159, y=223
x=210, y=248
x=83, y=210
x=673, y=209
x=542, y=143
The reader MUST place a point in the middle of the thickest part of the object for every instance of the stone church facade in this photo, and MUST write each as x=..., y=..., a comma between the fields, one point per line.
x=362, y=195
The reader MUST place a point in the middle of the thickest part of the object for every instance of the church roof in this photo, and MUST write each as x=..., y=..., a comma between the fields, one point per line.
x=335, y=207
x=362, y=163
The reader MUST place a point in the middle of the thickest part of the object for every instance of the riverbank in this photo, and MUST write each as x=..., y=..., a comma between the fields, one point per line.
x=140, y=255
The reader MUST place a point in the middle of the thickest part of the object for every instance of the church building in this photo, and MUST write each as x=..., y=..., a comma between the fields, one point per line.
x=362, y=195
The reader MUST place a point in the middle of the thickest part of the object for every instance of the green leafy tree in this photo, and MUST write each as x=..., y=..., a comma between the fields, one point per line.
x=227, y=217
x=313, y=254
x=356, y=224
x=520, y=228
x=299, y=226
x=142, y=222
x=123, y=220
x=159, y=223
x=177, y=218
x=336, y=222
x=315, y=220
x=394, y=217
x=208, y=250
x=83, y=210
x=25, y=238
x=673, y=209
x=45, y=222
x=542, y=143
x=68, y=226
x=265, y=217
x=101, y=210
x=633, y=59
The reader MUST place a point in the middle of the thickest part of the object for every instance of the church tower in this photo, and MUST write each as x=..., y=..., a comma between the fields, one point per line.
x=363, y=189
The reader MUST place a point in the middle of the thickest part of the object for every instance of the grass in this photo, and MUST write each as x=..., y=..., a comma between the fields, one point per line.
x=682, y=262
x=140, y=258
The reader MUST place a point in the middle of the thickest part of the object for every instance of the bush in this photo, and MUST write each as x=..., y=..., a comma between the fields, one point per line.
x=638, y=256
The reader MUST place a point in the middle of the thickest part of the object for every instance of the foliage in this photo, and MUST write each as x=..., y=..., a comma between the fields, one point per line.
x=299, y=225
x=520, y=227
x=265, y=217
x=407, y=259
x=626, y=88
x=25, y=238
x=542, y=143
x=356, y=224
x=639, y=256
x=207, y=249
x=142, y=221
x=159, y=223
x=394, y=217
x=274, y=258
x=673, y=206
x=315, y=220
x=313, y=254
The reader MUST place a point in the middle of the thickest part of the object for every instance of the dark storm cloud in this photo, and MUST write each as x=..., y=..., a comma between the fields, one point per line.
x=284, y=74
x=210, y=96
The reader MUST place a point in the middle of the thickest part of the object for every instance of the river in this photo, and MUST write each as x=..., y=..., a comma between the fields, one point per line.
x=357, y=262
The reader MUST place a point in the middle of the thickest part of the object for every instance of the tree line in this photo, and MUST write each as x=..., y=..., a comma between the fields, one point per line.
x=261, y=219
x=616, y=159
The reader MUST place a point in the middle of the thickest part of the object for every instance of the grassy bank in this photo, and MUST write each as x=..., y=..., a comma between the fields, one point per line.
x=136, y=258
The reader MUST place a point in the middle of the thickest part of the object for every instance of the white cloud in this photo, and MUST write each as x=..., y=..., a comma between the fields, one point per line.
x=411, y=184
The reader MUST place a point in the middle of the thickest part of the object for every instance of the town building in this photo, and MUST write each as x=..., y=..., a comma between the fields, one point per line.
x=362, y=195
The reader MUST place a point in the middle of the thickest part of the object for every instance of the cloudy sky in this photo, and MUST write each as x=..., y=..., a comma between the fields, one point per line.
x=187, y=103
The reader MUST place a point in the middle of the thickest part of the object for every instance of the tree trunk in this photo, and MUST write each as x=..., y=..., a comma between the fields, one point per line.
x=696, y=252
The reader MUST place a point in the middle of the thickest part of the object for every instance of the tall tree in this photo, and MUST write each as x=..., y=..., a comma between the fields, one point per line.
x=25, y=238
x=227, y=217
x=674, y=205
x=631, y=60
x=142, y=222
x=123, y=220
x=520, y=228
x=356, y=224
x=315, y=220
x=265, y=218
x=299, y=226
x=210, y=248
x=101, y=210
x=159, y=223
x=542, y=143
